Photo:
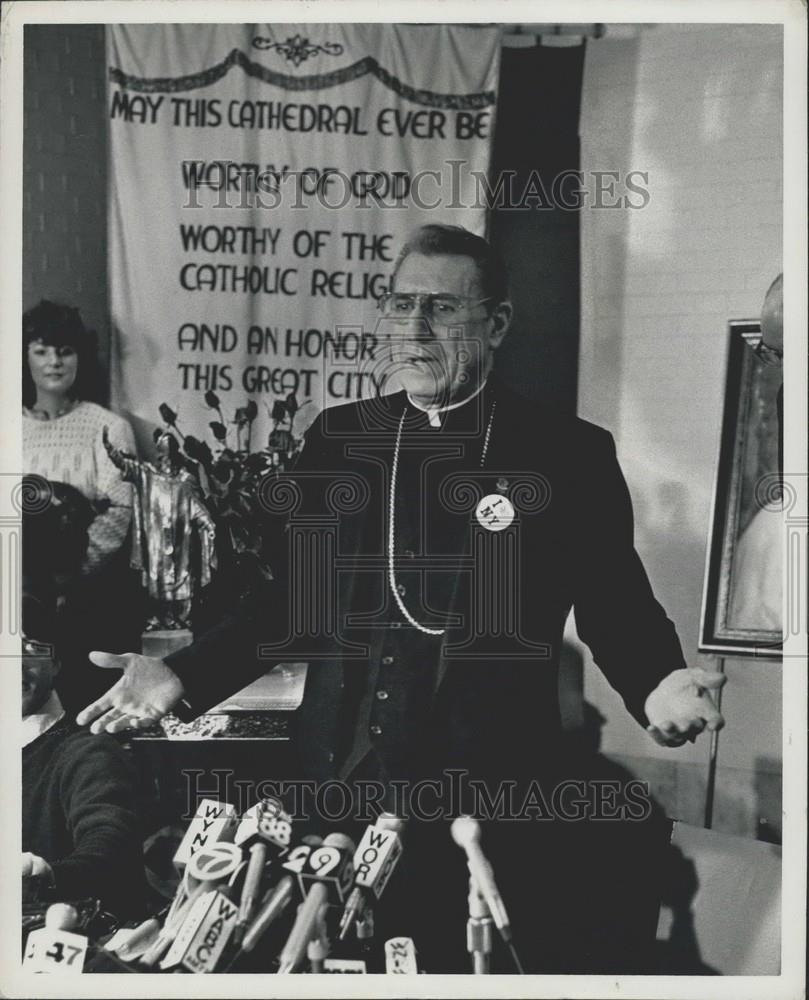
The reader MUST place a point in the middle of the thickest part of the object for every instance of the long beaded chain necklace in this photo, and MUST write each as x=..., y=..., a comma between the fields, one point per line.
x=392, y=519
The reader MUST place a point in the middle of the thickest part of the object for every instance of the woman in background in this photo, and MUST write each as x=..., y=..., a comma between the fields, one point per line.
x=62, y=425
x=62, y=442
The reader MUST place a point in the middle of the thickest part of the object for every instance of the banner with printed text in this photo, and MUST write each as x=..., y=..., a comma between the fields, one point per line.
x=262, y=181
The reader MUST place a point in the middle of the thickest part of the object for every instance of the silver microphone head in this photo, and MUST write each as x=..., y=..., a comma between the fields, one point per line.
x=465, y=831
x=389, y=821
x=341, y=840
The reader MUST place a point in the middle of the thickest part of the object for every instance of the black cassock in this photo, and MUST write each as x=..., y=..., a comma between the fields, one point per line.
x=386, y=701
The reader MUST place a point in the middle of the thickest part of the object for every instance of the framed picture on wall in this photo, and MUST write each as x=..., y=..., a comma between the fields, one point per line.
x=742, y=605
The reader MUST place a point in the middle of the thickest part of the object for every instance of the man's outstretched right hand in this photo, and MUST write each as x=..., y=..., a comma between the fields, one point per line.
x=147, y=690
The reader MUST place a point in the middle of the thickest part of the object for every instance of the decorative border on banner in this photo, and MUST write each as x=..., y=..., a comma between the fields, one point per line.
x=297, y=49
x=318, y=81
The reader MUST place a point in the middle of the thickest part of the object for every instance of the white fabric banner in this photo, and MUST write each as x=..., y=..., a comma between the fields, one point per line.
x=262, y=181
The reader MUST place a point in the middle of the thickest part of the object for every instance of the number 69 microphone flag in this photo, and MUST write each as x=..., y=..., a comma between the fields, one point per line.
x=262, y=180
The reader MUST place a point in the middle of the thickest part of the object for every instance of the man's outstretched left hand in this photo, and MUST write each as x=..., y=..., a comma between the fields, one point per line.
x=147, y=690
x=681, y=706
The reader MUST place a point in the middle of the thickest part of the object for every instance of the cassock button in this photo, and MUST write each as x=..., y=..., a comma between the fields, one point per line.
x=382, y=695
x=386, y=661
x=376, y=730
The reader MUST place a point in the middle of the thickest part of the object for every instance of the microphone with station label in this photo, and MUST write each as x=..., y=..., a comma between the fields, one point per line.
x=204, y=928
x=264, y=834
x=277, y=899
x=400, y=956
x=213, y=825
x=205, y=932
x=56, y=947
x=376, y=856
x=326, y=877
x=213, y=822
x=207, y=868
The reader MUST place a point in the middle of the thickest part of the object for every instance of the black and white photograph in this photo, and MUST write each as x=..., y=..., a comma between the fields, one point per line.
x=403, y=511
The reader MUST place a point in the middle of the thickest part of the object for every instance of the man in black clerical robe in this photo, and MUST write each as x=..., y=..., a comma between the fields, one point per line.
x=435, y=544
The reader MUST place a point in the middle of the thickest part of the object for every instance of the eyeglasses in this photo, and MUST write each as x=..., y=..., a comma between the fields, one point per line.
x=439, y=308
x=31, y=647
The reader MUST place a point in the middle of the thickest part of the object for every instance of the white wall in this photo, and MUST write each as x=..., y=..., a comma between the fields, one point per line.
x=700, y=109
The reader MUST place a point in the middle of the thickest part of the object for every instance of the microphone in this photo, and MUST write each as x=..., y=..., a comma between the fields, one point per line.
x=479, y=930
x=374, y=860
x=213, y=822
x=280, y=896
x=207, y=868
x=130, y=943
x=247, y=829
x=61, y=916
x=250, y=888
x=400, y=956
x=466, y=834
x=329, y=872
x=265, y=822
x=274, y=823
x=205, y=932
x=210, y=874
x=265, y=831
x=56, y=947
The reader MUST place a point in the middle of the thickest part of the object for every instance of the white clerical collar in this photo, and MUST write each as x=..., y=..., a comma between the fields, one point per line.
x=434, y=411
x=33, y=726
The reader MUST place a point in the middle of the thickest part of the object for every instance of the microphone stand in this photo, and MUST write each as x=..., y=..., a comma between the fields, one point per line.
x=364, y=929
x=317, y=948
x=479, y=930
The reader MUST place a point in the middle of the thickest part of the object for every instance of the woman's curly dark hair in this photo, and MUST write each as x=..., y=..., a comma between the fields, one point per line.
x=58, y=325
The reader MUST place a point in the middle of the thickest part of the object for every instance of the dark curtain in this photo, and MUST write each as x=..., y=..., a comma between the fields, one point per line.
x=537, y=137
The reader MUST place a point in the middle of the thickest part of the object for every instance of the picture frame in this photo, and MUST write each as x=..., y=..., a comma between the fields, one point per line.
x=742, y=605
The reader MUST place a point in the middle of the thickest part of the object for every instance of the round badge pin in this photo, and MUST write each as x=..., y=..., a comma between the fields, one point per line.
x=494, y=512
